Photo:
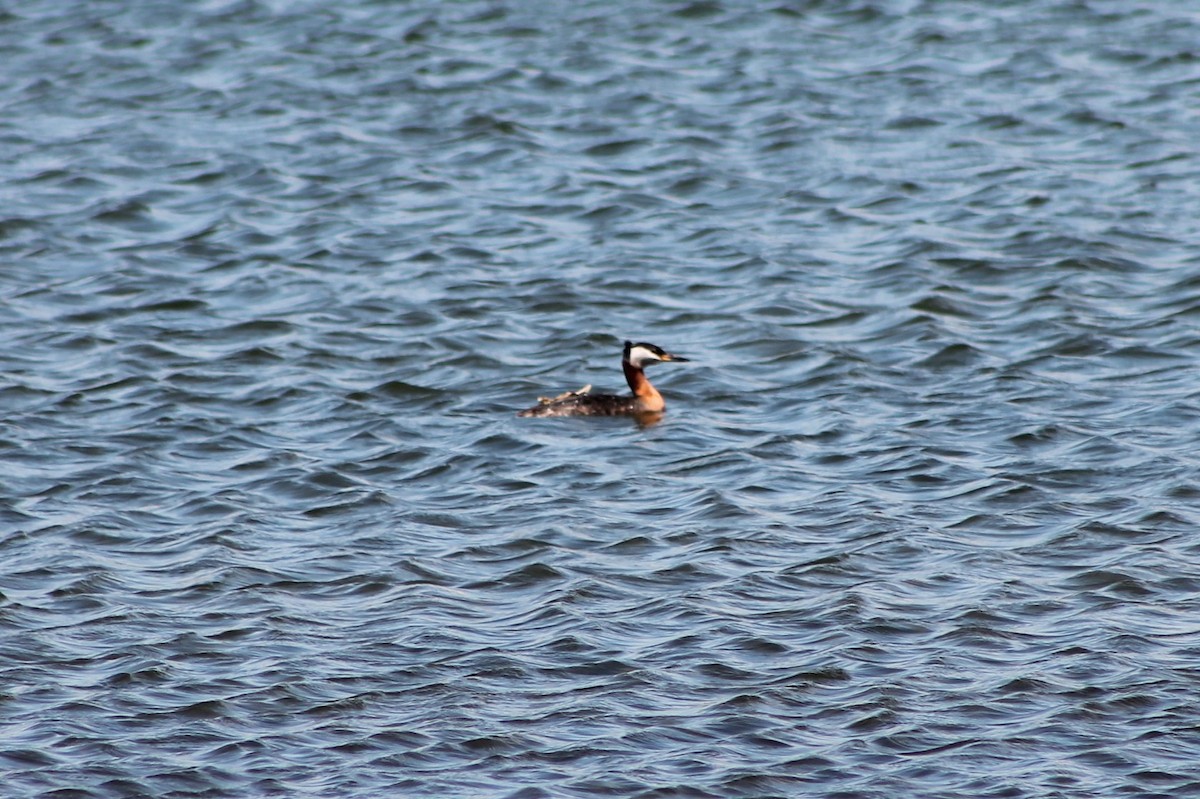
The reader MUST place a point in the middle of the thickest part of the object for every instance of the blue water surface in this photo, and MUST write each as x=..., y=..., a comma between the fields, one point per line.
x=920, y=519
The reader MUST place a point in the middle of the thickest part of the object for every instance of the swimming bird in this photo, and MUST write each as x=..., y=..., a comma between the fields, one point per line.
x=644, y=399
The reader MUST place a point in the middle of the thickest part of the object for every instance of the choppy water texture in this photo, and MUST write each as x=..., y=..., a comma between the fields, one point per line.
x=920, y=521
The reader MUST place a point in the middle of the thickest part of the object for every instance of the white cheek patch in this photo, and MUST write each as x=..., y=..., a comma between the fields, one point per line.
x=640, y=356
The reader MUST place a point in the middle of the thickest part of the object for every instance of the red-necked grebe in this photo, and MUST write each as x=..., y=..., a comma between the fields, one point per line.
x=645, y=398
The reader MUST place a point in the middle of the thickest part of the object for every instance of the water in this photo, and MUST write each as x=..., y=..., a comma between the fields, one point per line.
x=919, y=521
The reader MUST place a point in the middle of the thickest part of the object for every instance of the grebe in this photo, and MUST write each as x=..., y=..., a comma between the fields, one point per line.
x=644, y=400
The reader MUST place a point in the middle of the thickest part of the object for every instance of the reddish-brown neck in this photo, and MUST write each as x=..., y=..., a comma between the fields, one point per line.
x=648, y=397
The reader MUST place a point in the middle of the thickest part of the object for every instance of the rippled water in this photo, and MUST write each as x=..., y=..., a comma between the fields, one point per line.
x=920, y=519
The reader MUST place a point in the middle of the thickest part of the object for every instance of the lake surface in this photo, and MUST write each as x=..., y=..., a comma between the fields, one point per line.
x=921, y=519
